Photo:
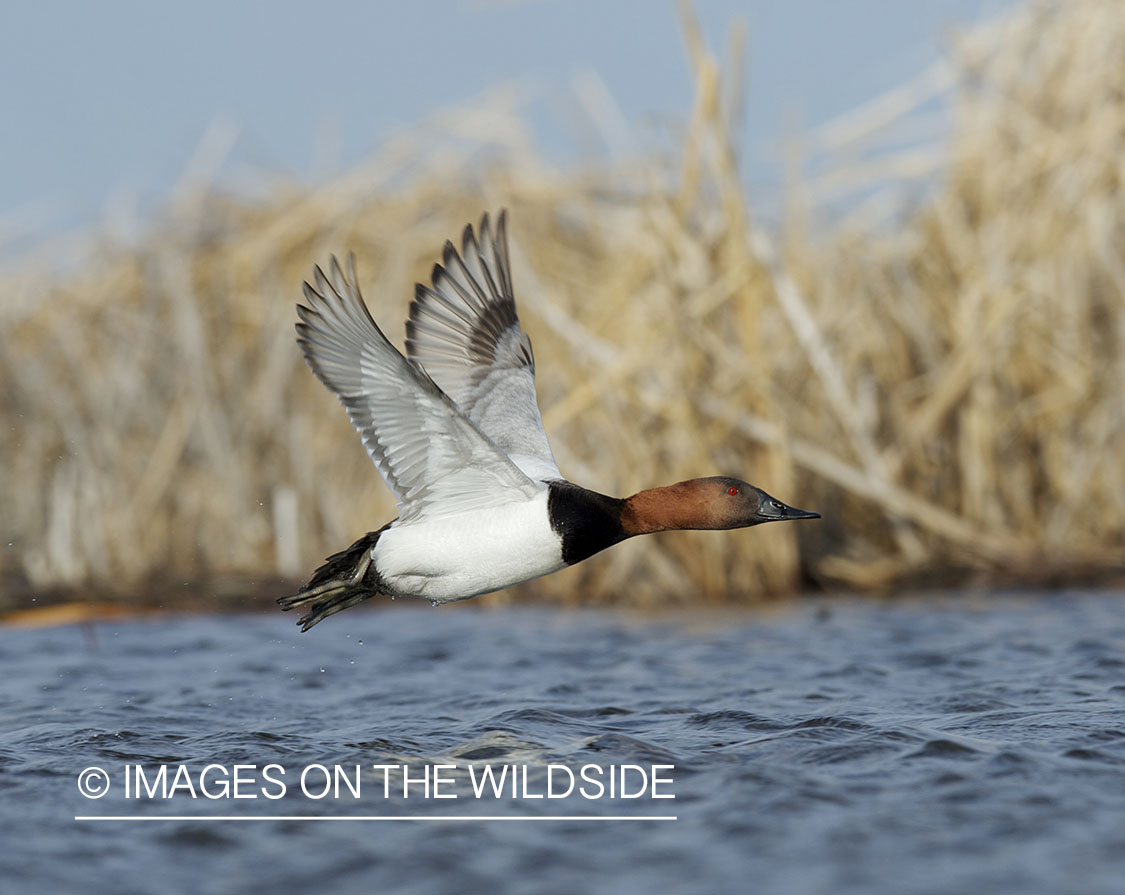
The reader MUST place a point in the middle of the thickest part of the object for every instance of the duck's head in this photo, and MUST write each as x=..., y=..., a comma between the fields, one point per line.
x=717, y=502
x=732, y=503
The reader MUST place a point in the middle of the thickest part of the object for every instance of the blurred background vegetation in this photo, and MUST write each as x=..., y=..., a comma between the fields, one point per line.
x=941, y=376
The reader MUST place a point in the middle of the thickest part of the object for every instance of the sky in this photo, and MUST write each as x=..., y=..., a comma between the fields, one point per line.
x=112, y=98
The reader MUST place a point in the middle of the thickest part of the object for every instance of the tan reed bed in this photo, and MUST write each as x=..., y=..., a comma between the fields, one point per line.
x=944, y=385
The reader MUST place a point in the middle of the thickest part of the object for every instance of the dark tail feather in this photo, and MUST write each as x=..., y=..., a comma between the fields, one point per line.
x=325, y=604
x=338, y=569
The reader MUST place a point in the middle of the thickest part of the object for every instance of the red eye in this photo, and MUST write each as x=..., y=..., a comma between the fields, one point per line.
x=732, y=490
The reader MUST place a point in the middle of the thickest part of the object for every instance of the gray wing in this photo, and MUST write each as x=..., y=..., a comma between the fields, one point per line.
x=466, y=334
x=431, y=456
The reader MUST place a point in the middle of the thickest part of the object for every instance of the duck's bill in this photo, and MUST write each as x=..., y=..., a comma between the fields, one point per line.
x=785, y=512
x=794, y=513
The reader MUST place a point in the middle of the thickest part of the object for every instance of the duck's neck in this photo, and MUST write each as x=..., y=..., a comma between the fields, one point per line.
x=588, y=522
x=675, y=506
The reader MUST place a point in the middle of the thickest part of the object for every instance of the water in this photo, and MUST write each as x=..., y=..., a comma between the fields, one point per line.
x=937, y=745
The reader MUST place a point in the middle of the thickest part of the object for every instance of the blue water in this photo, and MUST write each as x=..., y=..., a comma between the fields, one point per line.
x=911, y=746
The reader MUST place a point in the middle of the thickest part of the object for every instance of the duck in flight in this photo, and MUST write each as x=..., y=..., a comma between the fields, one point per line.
x=455, y=431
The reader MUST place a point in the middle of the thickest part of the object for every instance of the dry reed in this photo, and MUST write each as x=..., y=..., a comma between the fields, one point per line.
x=946, y=390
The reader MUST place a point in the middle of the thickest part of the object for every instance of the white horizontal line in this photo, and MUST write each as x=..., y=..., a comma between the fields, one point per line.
x=372, y=817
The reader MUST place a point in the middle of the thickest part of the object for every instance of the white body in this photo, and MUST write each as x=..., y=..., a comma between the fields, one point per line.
x=462, y=555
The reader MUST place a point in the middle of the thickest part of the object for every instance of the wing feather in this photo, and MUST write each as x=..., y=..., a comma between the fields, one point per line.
x=464, y=330
x=434, y=459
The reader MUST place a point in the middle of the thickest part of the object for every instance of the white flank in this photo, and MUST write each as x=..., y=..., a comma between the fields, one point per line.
x=453, y=557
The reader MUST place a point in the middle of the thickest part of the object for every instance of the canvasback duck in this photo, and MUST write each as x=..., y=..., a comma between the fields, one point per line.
x=455, y=431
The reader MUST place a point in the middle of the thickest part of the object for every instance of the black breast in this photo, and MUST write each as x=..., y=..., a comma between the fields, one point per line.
x=586, y=521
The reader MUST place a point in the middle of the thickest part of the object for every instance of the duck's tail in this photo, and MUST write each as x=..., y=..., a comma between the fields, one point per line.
x=346, y=578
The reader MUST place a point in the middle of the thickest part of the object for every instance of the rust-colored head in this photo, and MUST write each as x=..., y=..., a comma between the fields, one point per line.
x=718, y=502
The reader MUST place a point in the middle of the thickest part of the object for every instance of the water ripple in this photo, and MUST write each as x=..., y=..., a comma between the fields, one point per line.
x=925, y=745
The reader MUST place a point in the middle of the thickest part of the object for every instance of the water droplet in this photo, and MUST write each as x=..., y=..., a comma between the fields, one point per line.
x=360, y=642
x=322, y=671
x=433, y=603
x=352, y=662
x=392, y=598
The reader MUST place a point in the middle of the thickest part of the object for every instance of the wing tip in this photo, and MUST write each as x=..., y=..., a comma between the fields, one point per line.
x=468, y=239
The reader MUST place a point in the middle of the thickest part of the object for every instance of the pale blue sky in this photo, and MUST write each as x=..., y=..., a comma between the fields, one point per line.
x=110, y=97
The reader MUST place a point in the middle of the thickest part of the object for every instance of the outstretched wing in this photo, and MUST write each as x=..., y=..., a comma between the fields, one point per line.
x=431, y=456
x=466, y=334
